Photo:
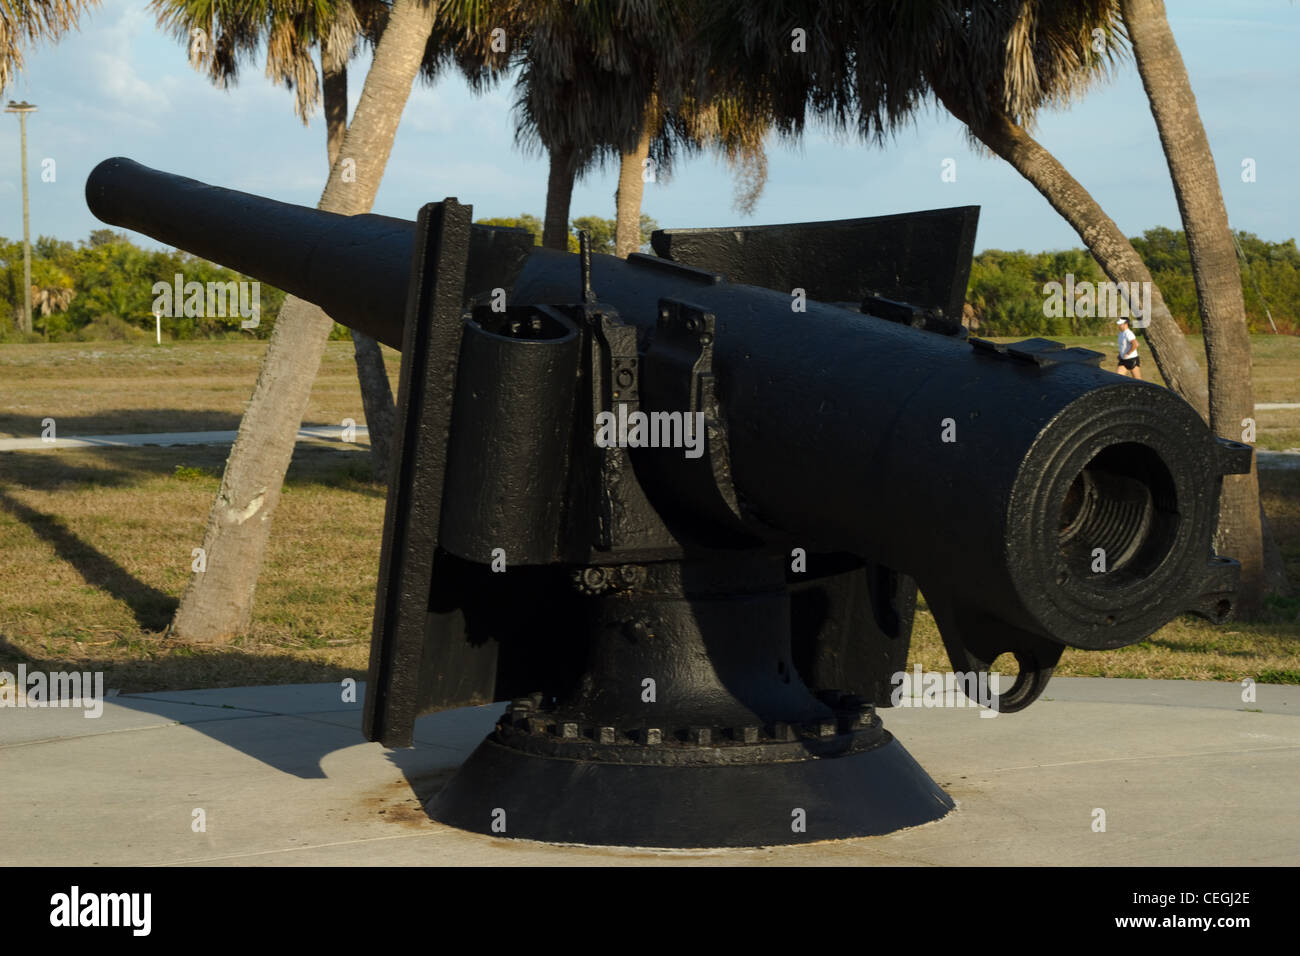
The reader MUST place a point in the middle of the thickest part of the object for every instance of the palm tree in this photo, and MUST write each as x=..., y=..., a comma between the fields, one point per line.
x=29, y=21
x=220, y=35
x=217, y=604
x=587, y=74
x=1216, y=273
x=872, y=65
x=690, y=126
x=50, y=299
x=612, y=80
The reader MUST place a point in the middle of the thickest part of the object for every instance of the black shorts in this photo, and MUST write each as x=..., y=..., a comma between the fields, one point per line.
x=1131, y=363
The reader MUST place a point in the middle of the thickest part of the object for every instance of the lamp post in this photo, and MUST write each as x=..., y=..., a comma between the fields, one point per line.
x=22, y=109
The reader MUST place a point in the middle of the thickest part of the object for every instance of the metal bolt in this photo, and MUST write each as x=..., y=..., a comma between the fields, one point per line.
x=630, y=575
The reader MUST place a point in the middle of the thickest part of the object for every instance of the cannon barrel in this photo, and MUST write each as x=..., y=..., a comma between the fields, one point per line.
x=1027, y=490
x=305, y=252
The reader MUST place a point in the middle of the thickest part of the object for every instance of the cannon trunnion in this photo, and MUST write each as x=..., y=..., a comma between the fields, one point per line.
x=675, y=509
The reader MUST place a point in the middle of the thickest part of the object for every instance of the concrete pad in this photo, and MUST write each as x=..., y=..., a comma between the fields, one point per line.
x=1217, y=695
x=278, y=699
x=25, y=725
x=1183, y=776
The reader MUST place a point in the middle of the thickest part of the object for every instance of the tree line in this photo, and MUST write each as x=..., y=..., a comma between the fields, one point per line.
x=1006, y=293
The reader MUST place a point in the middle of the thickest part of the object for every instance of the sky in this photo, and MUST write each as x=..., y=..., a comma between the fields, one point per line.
x=120, y=87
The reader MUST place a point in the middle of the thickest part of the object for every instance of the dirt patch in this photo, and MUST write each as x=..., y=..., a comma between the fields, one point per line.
x=401, y=801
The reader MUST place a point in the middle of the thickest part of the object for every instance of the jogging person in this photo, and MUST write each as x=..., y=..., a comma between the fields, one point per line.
x=1129, y=362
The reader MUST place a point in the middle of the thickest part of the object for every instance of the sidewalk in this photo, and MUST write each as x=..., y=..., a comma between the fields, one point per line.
x=1186, y=774
x=321, y=433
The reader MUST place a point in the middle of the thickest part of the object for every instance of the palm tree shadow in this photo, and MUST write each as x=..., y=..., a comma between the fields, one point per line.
x=152, y=608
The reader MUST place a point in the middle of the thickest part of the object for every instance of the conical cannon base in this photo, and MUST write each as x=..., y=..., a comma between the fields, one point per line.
x=501, y=791
x=690, y=728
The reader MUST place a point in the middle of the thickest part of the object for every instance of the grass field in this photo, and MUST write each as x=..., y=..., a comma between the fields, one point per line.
x=96, y=542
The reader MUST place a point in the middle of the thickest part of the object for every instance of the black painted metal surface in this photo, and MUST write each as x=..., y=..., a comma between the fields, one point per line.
x=923, y=258
x=720, y=616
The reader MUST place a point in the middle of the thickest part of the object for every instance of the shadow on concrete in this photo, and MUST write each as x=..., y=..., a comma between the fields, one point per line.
x=295, y=728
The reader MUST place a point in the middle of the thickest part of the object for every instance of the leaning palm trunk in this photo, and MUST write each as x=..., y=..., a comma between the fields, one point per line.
x=559, y=194
x=1108, y=245
x=1216, y=273
x=217, y=604
x=376, y=393
x=627, y=200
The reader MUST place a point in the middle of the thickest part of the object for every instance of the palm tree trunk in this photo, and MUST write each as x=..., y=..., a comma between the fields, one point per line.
x=627, y=200
x=217, y=604
x=334, y=101
x=1111, y=248
x=559, y=193
x=376, y=392
x=1216, y=273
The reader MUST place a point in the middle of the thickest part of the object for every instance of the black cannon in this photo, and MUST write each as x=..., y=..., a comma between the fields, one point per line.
x=676, y=508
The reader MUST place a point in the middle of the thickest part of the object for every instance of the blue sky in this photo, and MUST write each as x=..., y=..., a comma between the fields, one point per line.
x=121, y=87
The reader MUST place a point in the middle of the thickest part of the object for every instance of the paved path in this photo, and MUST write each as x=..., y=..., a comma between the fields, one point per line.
x=1289, y=459
x=327, y=433
x=1185, y=771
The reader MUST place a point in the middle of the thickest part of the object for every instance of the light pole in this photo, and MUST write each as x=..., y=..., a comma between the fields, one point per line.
x=22, y=109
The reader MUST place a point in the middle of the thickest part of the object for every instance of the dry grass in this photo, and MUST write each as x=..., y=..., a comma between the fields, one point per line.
x=97, y=544
x=97, y=541
x=1275, y=369
x=112, y=388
